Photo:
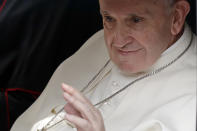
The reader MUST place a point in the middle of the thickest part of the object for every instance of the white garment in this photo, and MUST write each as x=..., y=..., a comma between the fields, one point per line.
x=165, y=101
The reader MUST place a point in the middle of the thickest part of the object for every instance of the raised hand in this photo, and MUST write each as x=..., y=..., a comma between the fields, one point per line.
x=81, y=112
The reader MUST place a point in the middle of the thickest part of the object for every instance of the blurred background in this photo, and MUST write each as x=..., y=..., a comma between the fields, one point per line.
x=35, y=37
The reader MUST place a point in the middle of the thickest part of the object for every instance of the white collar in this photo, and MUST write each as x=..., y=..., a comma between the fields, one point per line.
x=174, y=51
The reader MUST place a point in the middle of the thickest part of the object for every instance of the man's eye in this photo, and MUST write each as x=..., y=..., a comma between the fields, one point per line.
x=136, y=19
x=108, y=18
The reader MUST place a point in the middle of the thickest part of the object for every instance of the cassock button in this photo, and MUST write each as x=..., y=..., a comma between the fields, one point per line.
x=114, y=83
x=107, y=103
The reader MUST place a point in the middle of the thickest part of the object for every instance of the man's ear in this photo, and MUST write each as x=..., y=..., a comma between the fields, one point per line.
x=180, y=10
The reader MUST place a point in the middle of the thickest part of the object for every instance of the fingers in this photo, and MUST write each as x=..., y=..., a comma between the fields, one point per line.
x=83, y=108
x=73, y=92
x=77, y=121
x=80, y=111
x=71, y=110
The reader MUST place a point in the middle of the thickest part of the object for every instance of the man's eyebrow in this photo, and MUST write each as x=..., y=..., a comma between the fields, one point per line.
x=145, y=13
x=103, y=12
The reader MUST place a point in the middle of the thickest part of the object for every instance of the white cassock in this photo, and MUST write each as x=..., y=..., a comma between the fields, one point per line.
x=162, y=101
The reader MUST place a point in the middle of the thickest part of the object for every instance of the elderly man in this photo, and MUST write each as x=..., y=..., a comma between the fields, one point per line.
x=148, y=83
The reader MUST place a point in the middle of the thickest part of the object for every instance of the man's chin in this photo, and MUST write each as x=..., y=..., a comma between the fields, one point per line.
x=128, y=70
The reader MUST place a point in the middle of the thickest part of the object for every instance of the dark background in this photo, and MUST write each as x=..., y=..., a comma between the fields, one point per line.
x=35, y=37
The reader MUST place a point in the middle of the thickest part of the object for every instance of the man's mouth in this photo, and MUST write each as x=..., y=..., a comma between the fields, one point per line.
x=127, y=52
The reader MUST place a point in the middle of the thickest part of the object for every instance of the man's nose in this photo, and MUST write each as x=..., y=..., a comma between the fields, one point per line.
x=121, y=37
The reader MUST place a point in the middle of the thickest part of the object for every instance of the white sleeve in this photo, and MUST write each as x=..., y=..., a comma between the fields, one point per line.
x=168, y=119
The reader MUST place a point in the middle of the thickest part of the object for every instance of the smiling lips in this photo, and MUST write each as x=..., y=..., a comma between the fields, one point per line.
x=127, y=49
x=128, y=52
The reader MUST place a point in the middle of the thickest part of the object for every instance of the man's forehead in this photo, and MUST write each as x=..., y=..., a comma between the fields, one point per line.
x=127, y=7
x=131, y=1
x=128, y=10
x=145, y=12
x=118, y=3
